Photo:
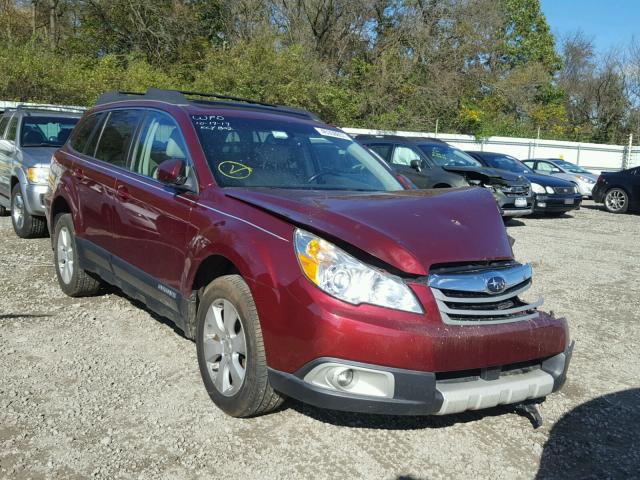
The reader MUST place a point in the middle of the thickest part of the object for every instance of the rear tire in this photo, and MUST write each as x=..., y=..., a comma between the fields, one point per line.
x=616, y=201
x=24, y=224
x=231, y=352
x=73, y=280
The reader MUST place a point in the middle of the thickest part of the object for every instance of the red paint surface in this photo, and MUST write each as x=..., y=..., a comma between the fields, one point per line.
x=170, y=234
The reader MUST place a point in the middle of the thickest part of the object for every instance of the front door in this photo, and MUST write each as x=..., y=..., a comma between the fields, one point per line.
x=401, y=160
x=152, y=219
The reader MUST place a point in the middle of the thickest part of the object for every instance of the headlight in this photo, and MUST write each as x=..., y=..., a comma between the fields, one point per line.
x=585, y=179
x=549, y=189
x=38, y=174
x=537, y=188
x=344, y=277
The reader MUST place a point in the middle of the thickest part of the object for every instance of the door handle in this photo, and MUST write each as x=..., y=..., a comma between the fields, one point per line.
x=122, y=192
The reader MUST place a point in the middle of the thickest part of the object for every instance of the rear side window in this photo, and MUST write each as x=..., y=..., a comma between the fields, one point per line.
x=383, y=150
x=13, y=127
x=113, y=146
x=3, y=125
x=160, y=140
x=83, y=131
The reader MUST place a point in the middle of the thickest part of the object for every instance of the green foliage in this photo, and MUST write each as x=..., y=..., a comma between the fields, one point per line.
x=482, y=67
x=527, y=37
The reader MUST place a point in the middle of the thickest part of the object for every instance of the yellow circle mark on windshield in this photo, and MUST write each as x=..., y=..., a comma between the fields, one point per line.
x=234, y=170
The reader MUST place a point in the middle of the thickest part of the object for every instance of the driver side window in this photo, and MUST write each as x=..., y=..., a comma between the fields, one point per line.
x=547, y=167
x=160, y=139
x=403, y=155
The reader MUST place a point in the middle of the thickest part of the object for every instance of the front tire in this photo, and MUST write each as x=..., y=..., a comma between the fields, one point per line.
x=73, y=280
x=24, y=224
x=616, y=201
x=231, y=352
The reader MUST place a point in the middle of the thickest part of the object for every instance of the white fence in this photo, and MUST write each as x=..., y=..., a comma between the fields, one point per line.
x=593, y=156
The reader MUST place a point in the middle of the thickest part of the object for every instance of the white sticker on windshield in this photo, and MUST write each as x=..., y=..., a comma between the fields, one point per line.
x=332, y=133
x=277, y=134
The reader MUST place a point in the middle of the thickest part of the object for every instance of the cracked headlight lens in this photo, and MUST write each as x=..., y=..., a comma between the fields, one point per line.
x=344, y=277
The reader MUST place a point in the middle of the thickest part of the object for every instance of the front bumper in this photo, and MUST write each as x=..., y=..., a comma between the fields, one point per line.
x=507, y=204
x=556, y=203
x=34, y=198
x=428, y=393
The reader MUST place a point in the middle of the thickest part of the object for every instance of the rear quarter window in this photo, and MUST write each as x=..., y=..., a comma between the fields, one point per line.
x=83, y=131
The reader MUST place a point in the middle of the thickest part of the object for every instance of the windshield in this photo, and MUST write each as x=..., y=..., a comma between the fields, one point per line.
x=446, y=155
x=245, y=152
x=570, y=167
x=46, y=131
x=505, y=162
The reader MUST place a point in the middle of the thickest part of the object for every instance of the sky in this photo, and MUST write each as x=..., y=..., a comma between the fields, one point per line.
x=611, y=23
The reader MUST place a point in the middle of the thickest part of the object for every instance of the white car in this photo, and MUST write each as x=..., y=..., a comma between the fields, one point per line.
x=583, y=179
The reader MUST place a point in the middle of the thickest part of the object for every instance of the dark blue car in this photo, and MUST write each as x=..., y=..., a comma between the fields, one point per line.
x=553, y=196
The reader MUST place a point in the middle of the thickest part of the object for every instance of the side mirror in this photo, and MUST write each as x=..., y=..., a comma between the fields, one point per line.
x=171, y=172
x=416, y=165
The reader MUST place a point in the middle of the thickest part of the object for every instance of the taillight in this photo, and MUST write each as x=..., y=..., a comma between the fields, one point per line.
x=600, y=179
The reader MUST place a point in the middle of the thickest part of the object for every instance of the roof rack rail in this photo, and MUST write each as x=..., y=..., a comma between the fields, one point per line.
x=179, y=97
x=49, y=107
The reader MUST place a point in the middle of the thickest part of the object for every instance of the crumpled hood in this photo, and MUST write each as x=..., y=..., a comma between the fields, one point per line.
x=547, y=180
x=491, y=175
x=409, y=230
x=38, y=155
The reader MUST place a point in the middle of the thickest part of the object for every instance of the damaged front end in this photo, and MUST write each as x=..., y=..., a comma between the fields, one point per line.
x=512, y=192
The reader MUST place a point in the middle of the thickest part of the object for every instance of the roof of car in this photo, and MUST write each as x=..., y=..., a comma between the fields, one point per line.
x=400, y=138
x=47, y=110
x=204, y=100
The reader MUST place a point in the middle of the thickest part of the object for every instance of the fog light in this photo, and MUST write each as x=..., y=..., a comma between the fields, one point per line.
x=345, y=378
x=352, y=379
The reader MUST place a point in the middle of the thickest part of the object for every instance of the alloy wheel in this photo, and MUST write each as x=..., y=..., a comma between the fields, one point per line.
x=65, y=255
x=225, y=347
x=616, y=200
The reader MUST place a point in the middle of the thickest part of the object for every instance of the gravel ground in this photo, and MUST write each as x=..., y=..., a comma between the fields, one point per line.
x=100, y=387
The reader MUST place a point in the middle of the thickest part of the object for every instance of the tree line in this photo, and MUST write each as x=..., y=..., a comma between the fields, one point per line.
x=483, y=67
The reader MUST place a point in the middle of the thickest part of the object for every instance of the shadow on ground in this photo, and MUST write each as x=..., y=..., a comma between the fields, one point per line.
x=11, y=316
x=598, y=439
x=391, y=422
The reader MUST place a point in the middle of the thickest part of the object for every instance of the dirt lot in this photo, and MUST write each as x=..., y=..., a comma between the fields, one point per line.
x=101, y=387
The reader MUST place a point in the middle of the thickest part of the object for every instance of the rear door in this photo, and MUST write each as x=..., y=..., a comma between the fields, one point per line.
x=104, y=157
x=152, y=219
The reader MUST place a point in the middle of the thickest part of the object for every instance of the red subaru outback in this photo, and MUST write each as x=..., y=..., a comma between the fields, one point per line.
x=297, y=261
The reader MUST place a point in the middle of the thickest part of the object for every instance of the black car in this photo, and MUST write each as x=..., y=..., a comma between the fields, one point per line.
x=553, y=195
x=619, y=191
x=432, y=163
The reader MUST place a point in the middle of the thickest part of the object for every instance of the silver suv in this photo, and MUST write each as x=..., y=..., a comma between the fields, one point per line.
x=28, y=137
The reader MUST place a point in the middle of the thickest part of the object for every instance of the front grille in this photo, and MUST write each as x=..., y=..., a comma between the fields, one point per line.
x=466, y=298
x=564, y=190
x=516, y=191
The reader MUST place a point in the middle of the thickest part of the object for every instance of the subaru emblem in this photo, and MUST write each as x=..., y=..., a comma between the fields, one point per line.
x=496, y=284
